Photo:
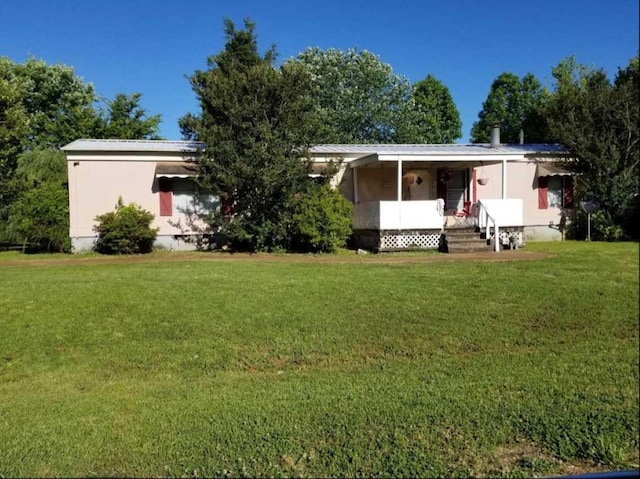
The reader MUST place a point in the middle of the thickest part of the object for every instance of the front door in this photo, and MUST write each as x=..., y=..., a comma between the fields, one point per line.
x=452, y=188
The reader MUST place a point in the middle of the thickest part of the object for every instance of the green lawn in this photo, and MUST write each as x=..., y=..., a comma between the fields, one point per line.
x=294, y=368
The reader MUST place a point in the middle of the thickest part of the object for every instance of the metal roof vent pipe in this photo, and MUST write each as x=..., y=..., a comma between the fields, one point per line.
x=495, y=136
x=522, y=137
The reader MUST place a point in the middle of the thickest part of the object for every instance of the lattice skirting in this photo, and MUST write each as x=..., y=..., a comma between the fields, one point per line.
x=390, y=240
x=514, y=234
x=410, y=240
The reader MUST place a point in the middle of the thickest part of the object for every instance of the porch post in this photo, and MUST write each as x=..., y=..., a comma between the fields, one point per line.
x=399, y=191
x=504, y=179
x=355, y=186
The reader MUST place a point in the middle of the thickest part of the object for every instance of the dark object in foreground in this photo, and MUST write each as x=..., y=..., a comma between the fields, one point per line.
x=605, y=475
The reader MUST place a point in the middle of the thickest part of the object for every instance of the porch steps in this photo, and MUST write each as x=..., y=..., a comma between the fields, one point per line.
x=465, y=240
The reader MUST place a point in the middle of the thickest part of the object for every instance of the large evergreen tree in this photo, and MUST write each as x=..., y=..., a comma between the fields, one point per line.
x=256, y=122
x=442, y=116
x=515, y=104
x=124, y=118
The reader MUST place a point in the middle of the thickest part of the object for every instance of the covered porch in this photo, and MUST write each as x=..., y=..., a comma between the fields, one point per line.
x=410, y=200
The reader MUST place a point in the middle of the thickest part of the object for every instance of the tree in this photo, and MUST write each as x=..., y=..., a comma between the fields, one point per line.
x=58, y=104
x=598, y=120
x=13, y=126
x=359, y=99
x=13, y=131
x=515, y=104
x=40, y=166
x=125, y=119
x=43, y=107
x=443, y=118
x=256, y=123
x=39, y=216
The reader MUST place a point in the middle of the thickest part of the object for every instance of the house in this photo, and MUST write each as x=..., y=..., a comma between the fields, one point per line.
x=404, y=196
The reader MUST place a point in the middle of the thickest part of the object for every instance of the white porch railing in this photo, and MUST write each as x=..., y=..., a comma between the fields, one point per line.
x=397, y=215
x=487, y=220
x=499, y=213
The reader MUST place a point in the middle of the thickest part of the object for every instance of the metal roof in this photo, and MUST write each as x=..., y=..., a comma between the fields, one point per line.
x=440, y=149
x=363, y=149
x=134, y=145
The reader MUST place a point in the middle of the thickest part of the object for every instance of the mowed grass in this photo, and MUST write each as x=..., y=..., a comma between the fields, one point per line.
x=254, y=368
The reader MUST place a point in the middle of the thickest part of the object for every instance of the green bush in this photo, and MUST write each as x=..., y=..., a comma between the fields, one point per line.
x=127, y=230
x=40, y=218
x=604, y=227
x=322, y=220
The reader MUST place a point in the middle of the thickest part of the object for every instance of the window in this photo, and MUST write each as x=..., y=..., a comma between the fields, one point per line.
x=183, y=196
x=555, y=192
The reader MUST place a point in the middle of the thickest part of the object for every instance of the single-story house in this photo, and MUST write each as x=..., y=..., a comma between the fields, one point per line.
x=404, y=196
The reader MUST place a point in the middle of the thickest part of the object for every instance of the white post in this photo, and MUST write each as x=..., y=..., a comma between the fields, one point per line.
x=504, y=179
x=496, y=238
x=399, y=192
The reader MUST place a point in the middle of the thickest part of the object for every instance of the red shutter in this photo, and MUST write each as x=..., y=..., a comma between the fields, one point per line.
x=227, y=206
x=166, y=197
x=568, y=191
x=543, y=202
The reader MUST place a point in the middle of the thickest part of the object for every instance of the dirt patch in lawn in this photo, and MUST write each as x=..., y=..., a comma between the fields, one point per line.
x=381, y=258
x=527, y=458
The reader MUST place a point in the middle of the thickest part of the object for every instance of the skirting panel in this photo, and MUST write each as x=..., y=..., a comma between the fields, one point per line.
x=390, y=240
x=409, y=240
x=510, y=235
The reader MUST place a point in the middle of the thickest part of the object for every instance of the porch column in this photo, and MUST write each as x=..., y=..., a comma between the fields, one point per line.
x=504, y=179
x=399, y=178
x=355, y=186
x=399, y=192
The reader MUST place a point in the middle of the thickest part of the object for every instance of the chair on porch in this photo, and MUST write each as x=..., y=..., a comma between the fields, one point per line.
x=464, y=216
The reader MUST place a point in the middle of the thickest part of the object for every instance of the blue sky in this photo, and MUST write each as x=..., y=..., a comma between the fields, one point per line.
x=149, y=46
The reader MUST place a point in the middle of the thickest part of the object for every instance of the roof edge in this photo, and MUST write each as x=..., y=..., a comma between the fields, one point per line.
x=151, y=146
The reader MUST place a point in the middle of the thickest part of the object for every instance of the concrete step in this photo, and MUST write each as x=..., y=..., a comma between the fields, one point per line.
x=465, y=240
x=462, y=236
x=468, y=249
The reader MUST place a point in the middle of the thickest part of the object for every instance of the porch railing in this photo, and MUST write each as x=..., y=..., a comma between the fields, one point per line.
x=397, y=215
x=486, y=221
x=499, y=213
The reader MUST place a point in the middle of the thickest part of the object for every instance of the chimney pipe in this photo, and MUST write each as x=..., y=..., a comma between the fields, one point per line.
x=495, y=136
x=522, y=137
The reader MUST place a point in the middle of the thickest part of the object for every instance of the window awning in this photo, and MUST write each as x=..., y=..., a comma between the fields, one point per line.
x=176, y=170
x=551, y=170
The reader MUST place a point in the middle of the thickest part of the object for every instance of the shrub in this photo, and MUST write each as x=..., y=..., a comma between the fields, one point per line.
x=603, y=227
x=127, y=230
x=38, y=203
x=40, y=218
x=322, y=220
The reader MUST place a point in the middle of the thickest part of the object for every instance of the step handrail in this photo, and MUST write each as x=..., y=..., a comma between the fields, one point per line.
x=485, y=219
